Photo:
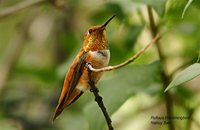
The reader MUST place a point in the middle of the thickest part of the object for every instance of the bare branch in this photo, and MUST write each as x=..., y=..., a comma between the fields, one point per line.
x=99, y=100
x=109, y=68
x=165, y=77
x=95, y=90
x=198, y=59
x=16, y=8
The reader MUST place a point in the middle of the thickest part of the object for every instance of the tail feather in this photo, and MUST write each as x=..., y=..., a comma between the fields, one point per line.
x=57, y=113
x=63, y=104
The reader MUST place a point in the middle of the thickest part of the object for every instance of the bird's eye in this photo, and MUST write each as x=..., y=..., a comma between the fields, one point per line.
x=90, y=31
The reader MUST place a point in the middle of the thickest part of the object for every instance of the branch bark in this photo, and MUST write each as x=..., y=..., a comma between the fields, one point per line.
x=16, y=8
x=99, y=100
x=198, y=59
x=109, y=68
x=165, y=77
x=95, y=90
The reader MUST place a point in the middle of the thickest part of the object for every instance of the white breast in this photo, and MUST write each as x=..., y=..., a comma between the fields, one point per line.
x=98, y=59
x=101, y=56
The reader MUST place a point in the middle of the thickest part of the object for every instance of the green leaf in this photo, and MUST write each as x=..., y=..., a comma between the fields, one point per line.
x=186, y=7
x=158, y=5
x=123, y=84
x=185, y=75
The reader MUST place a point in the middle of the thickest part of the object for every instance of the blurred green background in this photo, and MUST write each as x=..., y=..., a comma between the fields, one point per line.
x=39, y=42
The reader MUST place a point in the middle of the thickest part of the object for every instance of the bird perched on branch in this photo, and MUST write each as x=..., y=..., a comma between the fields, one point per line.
x=94, y=51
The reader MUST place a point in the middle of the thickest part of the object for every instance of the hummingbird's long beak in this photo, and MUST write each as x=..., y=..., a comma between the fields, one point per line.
x=105, y=24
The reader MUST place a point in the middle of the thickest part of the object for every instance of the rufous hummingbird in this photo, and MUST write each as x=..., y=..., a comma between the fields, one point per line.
x=95, y=51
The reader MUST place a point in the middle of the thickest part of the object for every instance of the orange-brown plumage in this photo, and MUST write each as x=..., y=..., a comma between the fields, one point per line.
x=94, y=51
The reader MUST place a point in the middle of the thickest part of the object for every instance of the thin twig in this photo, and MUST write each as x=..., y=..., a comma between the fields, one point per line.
x=198, y=59
x=16, y=8
x=109, y=68
x=95, y=90
x=165, y=77
x=99, y=100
